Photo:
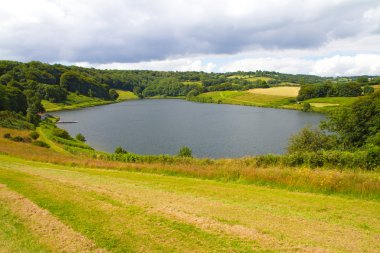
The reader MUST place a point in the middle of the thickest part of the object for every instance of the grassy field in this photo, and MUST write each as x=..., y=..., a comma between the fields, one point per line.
x=118, y=211
x=126, y=95
x=75, y=101
x=327, y=104
x=249, y=98
x=54, y=201
x=275, y=97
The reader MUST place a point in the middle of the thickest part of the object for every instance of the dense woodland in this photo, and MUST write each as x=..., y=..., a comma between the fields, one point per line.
x=23, y=85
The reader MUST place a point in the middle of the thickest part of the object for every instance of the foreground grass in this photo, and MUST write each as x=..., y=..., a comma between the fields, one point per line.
x=352, y=183
x=15, y=236
x=122, y=211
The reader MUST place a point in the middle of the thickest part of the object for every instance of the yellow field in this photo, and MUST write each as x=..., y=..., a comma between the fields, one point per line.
x=277, y=91
x=126, y=95
x=251, y=78
x=319, y=105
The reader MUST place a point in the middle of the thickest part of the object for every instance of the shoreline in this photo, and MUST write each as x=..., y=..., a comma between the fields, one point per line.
x=100, y=103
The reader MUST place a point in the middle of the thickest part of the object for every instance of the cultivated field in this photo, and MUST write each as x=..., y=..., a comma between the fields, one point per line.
x=277, y=91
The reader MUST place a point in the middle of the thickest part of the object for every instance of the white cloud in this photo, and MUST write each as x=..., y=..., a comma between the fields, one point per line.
x=284, y=65
x=326, y=37
x=185, y=64
x=132, y=31
x=348, y=65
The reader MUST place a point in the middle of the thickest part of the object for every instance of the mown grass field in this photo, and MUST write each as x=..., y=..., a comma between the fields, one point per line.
x=75, y=101
x=327, y=104
x=122, y=211
x=54, y=201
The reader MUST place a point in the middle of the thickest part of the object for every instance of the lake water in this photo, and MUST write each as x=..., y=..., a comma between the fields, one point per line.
x=162, y=126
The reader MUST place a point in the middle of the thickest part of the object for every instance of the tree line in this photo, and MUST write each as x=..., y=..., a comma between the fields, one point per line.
x=24, y=85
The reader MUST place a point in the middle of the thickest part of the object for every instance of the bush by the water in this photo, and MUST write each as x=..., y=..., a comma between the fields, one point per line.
x=120, y=150
x=61, y=133
x=80, y=137
x=185, y=152
x=309, y=139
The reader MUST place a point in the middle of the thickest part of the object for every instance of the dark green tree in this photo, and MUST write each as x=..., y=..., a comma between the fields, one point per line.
x=113, y=94
x=356, y=124
x=368, y=90
x=309, y=139
x=120, y=150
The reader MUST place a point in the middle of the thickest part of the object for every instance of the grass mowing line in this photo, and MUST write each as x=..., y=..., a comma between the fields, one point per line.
x=51, y=143
x=14, y=234
x=50, y=231
x=357, y=225
x=116, y=226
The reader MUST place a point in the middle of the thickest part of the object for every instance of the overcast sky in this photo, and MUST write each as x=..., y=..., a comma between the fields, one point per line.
x=323, y=37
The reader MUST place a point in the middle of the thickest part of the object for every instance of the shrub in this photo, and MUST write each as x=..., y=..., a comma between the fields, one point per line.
x=306, y=107
x=368, y=90
x=294, y=159
x=120, y=150
x=13, y=120
x=309, y=139
x=61, y=133
x=315, y=159
x=7, y=136
x=267, y=160
x=373, y=157
x=17, y=139
x=41, y=144
x=34, y=135
x=185, y=152
x=80, y=137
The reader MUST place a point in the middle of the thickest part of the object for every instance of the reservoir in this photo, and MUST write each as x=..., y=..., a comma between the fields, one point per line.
x=162, y=126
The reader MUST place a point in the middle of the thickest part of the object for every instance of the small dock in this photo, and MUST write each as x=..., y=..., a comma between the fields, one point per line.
x=66, y=122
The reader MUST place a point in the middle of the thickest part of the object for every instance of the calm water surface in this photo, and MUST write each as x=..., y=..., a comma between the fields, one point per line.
x=162, y=126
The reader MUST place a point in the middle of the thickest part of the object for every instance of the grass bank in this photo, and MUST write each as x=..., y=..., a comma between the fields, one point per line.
x=246, y=98
x=356, y=182
x=75, y=101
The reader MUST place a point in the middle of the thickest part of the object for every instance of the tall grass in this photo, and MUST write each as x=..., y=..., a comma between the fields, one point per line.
x=271, y=170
